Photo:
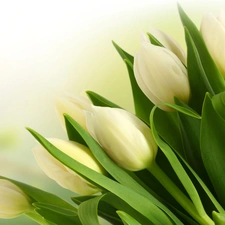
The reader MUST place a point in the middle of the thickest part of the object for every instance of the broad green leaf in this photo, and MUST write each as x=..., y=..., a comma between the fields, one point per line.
x=98, y=100
x=214, y=76
x=190, y=132
x=57, y=218
x=182, y=175
x=218, y=218
x=142, y=104
x=218, y=102
x=167, y=126
x=121, y=205
x=132, y=198
x=105, y=209
x=54, y=208
x=212, y=147
x=198, y=80
x=127, y=219
x=88, y=211
x=115, y=171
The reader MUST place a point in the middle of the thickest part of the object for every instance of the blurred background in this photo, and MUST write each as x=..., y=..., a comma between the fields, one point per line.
x=49, y=47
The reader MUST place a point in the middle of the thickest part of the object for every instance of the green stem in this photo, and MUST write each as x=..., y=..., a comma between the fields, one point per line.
x=178, y=195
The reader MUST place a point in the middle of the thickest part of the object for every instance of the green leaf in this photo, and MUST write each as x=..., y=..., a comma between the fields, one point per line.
x=105, y=209
x=167, y=126
x=38, y=218
x=218, y=218
x=98, y=100
x=212, y=147
x=121, y=205
x=179, y=170
x=73, y=135
x=142, y=104
x=203, y=186
x=214, y=76
x=154, y=41
x=132, y=198
x=218, y=102
x=88, y=211
x=127, y=219
x=57, y=218
x=190, y=130
x=54, y=208
x=115, y=171
x=198, y=80
x=187, y=111
x=124, y=55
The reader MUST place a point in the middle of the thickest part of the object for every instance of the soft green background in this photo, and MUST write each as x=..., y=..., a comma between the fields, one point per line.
x=48, y=47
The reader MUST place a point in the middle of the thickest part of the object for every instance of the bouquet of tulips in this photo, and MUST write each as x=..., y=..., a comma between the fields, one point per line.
x=163, y=165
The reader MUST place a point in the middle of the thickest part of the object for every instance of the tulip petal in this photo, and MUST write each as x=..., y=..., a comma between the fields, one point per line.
x=169, y=43
x=125, y=138
x=62, y=174
x=13, y=201
x=213, y=32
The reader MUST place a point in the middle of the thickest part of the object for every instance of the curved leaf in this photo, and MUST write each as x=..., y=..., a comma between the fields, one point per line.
x=127, y=219
x=214, y=76
x=212, y=147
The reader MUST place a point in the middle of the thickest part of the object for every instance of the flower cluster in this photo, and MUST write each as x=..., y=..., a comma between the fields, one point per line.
x=163, y=164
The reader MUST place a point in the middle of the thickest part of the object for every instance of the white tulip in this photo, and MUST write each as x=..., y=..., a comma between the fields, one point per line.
x=64, y=176
x=213, y=33
x=13, y=201
x=124, y=137
x=161, y=75
x=170, y=43
x=74, y=106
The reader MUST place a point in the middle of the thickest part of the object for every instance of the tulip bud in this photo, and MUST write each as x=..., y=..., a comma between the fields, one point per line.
x=124, y=137
x=73, y=106
x=213, y=33
x=161, y=75
x=170, y=43
x=13, y=201
x=64, y=176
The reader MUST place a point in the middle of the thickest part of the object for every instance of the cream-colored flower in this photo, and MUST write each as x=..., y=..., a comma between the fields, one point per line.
x=124, y=137
x=64, y=176
x=74, y=106
x=213, y=33
x=170, y=43
x=161, y=75
x=13, y=201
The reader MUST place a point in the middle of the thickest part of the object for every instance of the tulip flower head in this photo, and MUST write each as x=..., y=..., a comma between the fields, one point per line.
x=169, y=43
x=124, y=137
x=213, y=33
x=161, y=75
x=73, y=106
x=13, y=201
x=64, y=176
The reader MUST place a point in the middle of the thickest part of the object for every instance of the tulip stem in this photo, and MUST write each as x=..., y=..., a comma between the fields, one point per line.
x=178, y=195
